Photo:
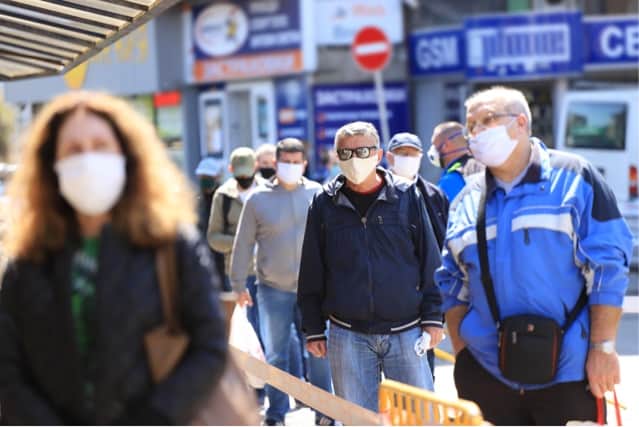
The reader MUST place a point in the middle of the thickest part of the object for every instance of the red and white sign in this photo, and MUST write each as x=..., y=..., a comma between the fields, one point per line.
x=371, y=49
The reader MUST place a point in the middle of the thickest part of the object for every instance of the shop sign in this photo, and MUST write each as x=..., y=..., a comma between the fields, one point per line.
x=437, y=51
x=523, y=46
x=292, y=108
x=246, y=39
x=612, y=41
x=336, y=105
x=341, y=20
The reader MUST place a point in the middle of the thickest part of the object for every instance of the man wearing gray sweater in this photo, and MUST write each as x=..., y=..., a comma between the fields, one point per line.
x=274, y=217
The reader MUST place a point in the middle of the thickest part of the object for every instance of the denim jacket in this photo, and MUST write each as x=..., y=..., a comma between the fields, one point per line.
x=372, y=274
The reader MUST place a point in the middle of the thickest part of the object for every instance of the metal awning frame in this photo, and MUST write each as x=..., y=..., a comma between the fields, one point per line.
x=49, y=37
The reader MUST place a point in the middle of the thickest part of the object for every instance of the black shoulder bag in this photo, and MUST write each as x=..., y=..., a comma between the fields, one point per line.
x=529, y=345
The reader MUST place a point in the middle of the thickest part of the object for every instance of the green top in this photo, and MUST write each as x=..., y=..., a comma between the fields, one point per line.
x=84, y=269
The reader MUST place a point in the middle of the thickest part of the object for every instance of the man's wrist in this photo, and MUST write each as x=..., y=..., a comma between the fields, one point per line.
x=605, y=346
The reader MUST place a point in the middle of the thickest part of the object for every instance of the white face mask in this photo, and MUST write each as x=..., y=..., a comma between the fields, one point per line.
x=493, y=146
x=92, y=182
x=406, y=166
x=290, y=173
x=356, y=170
x=433, y=156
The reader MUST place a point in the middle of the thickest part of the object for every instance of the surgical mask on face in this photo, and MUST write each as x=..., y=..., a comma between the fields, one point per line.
x=406, y=166
x=92, y=182
x=290, y=173
x=433, y=156
x=356, y=170
x=493, y=146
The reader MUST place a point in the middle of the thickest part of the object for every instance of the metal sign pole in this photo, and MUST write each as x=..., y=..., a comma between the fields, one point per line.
x=381, y=105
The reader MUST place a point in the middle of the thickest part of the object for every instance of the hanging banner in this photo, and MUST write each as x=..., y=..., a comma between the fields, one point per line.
x=292, y=108
x=336, y=105
x=246, y=39
x=437, y=51
x=523, y=46
x=613, y=41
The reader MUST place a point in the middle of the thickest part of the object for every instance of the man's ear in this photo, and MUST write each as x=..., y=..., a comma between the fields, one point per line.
x=305, y=164
x=231, y=168
x=522, y=122
x=390, y=158
x=380, y=154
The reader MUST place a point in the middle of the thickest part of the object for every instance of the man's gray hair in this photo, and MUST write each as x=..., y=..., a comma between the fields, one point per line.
x=265, y=149
x=512, y=100
x=356, y=128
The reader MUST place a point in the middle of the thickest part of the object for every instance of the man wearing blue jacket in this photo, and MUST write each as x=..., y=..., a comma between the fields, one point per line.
x=555, y=244
x=368, y=260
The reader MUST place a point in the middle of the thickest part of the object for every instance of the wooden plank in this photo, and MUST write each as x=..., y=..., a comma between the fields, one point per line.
x=15, y=32
x=30, y=54
x=35, y=47
x=159, y=7
x=67, y=12
x=335, y=407
x=36, y=63
x=111, y=11
x=49, y=30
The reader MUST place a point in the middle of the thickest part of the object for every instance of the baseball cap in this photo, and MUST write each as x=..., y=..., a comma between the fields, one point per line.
x=405, y=139
x=209, y=167
x=243, y=161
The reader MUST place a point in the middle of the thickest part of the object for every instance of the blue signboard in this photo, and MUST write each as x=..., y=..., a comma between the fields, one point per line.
x=437, y=51
x=523, y=46
x=336, y=105
x=245, y=39
x=611, y=41
x=292, y=108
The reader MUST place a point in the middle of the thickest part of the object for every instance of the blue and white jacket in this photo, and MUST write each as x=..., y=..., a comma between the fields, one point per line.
x=556, y=231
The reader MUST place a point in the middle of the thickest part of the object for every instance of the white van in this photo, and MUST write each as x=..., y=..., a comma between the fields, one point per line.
x=603, y=126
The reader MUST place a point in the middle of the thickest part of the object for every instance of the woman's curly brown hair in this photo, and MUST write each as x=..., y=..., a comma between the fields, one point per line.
x=156, y=199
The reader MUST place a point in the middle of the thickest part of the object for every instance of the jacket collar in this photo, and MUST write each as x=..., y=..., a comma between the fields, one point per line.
x=538, y=167
x=229, y=188
x=388, y=194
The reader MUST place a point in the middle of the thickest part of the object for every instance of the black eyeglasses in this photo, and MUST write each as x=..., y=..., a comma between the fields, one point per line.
x=359, y=152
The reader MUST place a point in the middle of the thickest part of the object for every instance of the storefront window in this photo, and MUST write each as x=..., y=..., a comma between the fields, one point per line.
x=596, y=125
x=170, y=127
x=143, y=104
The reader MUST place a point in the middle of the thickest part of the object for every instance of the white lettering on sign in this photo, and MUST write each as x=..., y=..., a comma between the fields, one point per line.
x=611, y=42
x=632, y=41
x=527, y=46
x=274, y=40
x=437, y=52
x=266, y=23
x=615, y=41
x=348, y=96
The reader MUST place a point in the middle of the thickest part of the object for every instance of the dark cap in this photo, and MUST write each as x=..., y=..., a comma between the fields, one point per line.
x=405, y=139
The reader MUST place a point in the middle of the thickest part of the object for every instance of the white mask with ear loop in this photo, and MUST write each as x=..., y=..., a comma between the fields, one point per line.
x=406, y=166
x=493, y=146
x=433, y=152
x=92, y=182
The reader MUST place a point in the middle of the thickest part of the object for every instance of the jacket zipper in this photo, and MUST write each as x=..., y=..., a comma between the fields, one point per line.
x=526, y=236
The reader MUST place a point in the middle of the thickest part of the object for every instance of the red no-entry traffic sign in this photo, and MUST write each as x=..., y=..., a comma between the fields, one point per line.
x=371, y=49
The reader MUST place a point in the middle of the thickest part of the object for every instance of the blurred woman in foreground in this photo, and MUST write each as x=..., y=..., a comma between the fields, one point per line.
x=93, y=199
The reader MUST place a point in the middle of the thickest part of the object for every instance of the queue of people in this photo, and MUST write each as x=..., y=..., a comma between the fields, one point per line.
x=519, y=252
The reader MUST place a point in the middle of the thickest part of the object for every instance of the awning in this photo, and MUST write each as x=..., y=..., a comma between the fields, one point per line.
x=46, y=37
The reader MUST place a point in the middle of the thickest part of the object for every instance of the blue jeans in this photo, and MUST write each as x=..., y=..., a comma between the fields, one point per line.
x=277, y=316
x=358, y=360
